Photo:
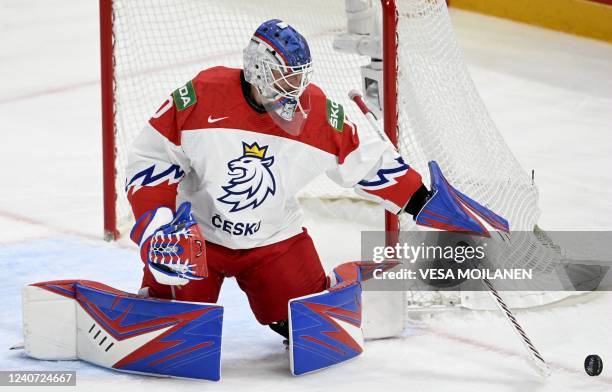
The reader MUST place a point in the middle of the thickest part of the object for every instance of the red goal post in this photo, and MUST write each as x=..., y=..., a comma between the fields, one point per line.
x=111, y=231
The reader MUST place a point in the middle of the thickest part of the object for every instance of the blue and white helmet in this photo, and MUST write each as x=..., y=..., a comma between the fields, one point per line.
x=277, y=62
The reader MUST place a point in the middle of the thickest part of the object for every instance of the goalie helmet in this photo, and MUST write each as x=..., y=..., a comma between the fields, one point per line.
x=277, y=62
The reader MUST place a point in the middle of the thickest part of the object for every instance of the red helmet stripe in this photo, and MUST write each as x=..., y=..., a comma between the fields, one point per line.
x=274, y=48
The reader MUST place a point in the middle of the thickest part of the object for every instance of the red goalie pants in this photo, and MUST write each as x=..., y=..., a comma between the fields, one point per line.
x=270, y=276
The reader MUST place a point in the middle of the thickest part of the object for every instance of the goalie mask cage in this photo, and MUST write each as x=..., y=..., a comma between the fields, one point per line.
x=432, y=110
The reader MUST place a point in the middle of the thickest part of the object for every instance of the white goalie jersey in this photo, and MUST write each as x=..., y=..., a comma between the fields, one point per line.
x=241, y=172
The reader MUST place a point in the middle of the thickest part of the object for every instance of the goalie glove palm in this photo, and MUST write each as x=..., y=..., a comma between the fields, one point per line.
x=172, y=245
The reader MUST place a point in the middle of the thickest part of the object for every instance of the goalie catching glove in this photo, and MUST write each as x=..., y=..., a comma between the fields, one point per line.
x=171, y=245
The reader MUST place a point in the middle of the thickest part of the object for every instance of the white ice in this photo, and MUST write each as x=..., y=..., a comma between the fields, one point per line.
x=549, y=93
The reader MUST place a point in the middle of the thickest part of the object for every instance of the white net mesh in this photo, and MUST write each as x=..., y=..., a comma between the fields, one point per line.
x=161, y=44
x=442, y=117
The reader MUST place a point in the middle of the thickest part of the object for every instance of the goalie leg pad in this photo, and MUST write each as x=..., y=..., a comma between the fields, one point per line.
x=123, y=331
x=379, y=316
x=325, y=328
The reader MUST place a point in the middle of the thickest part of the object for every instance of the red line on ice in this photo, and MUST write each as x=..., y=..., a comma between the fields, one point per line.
x=35, y=222
x=490, y=347
x=53, y=90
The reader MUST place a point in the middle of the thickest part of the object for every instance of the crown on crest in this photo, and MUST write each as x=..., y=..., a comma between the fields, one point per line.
x=254, y=150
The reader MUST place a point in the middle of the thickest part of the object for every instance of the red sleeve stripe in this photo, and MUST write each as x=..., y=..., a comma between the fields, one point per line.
x=400, y=192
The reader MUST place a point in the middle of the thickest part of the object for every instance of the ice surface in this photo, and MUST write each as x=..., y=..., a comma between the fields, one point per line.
x=549, y=93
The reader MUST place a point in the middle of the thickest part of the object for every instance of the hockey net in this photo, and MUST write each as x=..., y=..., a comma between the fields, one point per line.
x=152, y=46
